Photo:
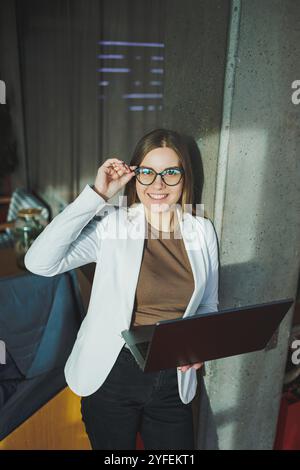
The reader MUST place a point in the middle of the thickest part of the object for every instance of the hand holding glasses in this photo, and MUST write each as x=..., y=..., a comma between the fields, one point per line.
x=113, y=174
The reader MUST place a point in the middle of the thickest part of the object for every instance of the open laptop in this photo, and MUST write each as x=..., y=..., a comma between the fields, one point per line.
x=202, y=337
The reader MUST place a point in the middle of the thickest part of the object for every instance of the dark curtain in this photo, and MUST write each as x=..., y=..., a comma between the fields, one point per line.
x=71, y=111
x=57, y=50
x=76, y=113
x=10, y=73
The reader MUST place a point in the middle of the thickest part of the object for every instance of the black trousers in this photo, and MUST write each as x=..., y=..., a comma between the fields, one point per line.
x=131, y=400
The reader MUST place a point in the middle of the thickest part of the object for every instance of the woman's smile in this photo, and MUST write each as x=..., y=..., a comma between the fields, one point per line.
x=157, y=196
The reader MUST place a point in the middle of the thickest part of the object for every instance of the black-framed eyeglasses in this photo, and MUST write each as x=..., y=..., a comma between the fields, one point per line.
x=170, y=176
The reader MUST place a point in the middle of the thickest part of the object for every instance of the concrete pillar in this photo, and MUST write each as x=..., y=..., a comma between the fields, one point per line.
x=256, y=216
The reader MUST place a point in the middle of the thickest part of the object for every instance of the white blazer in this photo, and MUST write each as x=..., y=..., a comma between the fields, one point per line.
x=114, y=241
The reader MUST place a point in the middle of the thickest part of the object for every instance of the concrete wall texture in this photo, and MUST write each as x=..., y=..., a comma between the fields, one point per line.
x=256, y=216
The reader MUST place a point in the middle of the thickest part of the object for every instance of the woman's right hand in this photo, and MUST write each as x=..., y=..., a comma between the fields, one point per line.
x=112, y=175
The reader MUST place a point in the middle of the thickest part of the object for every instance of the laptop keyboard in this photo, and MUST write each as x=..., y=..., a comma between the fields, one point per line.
x=143, y=348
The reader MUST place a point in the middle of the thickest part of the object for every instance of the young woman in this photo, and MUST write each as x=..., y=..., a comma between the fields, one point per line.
x=156, y=260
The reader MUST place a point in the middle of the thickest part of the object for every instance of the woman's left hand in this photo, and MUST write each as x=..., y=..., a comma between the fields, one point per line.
x=196, y=366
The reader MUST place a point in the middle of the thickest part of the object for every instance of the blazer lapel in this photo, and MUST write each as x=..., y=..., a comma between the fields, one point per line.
x=135, y=223
x=193, y=242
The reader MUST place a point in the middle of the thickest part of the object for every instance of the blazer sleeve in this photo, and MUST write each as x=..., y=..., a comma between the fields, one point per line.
x=71, y=239
x=210, y=300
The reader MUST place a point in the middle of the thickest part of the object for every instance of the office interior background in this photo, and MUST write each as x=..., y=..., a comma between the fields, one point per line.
x=83, y=81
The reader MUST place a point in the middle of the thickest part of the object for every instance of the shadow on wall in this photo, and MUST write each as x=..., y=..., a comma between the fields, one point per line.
x=233, y=388
x=197, y=167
